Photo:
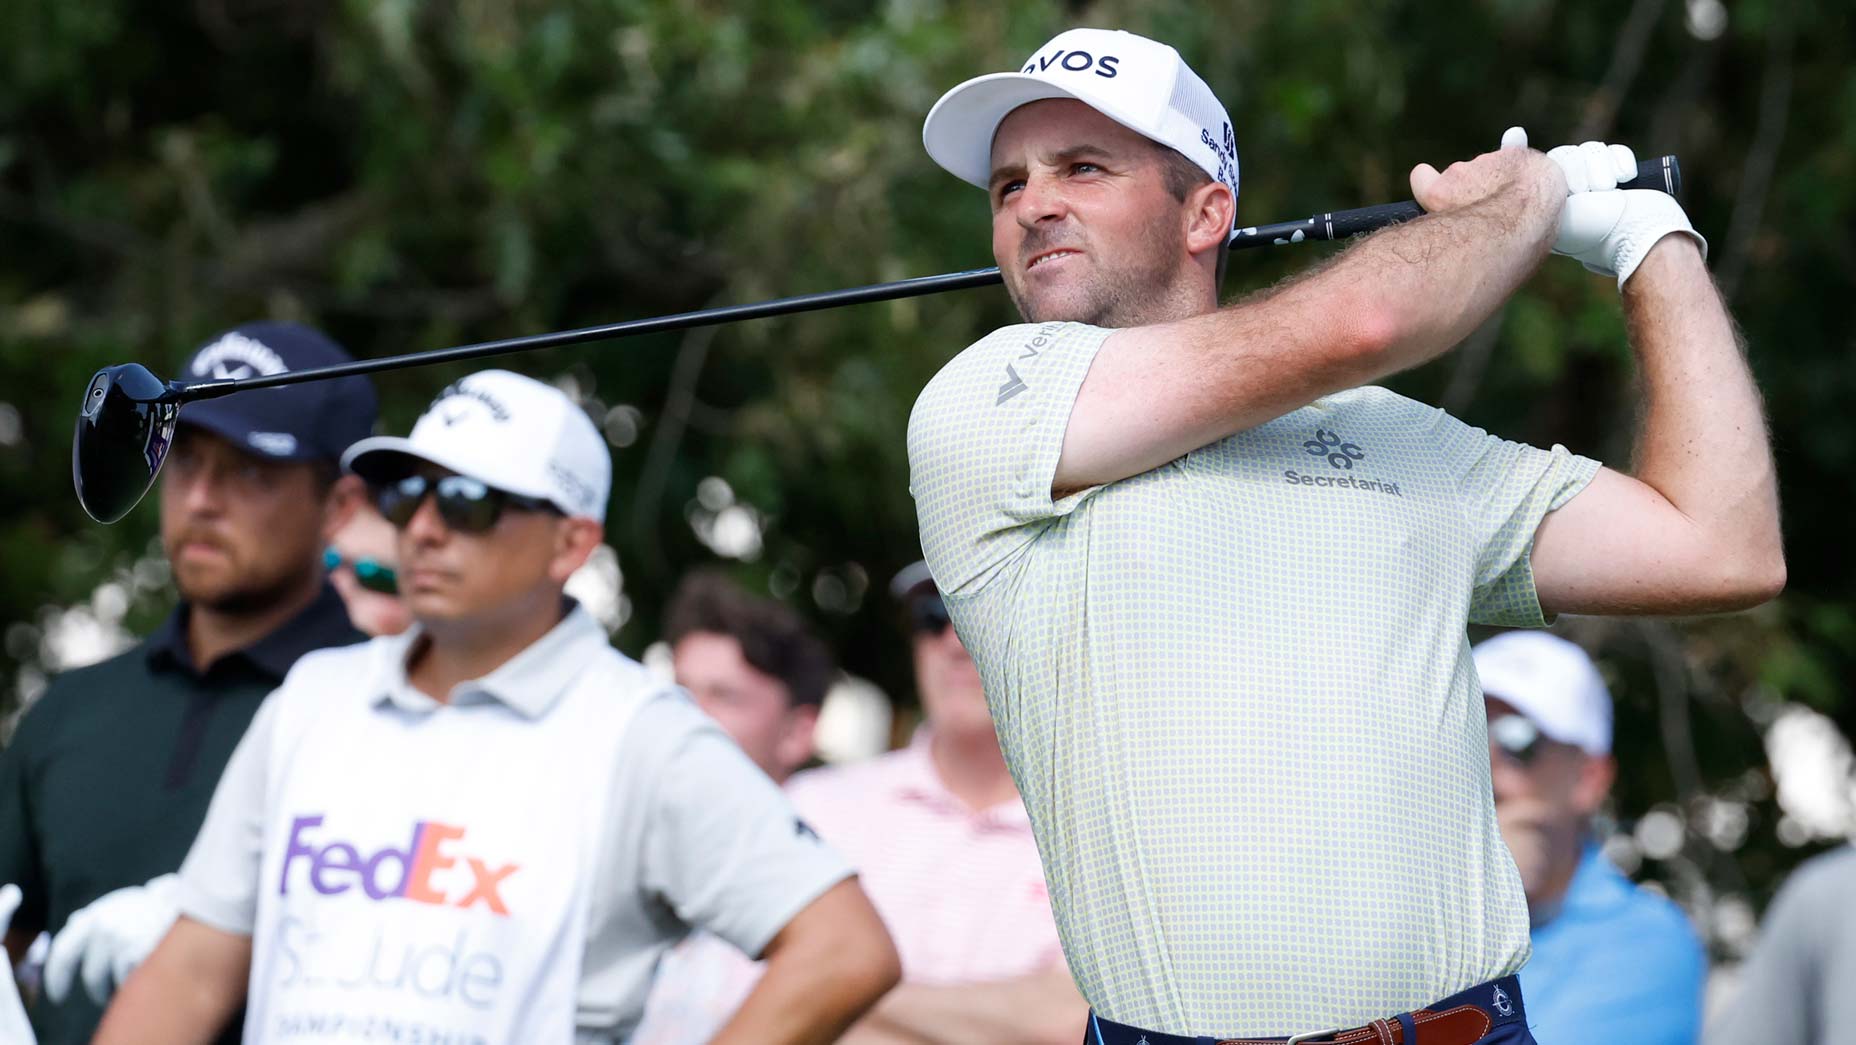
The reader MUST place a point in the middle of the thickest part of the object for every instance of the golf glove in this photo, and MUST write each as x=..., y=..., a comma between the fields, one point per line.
x=1606, y=229
x=13, y=1024
x=111, y=937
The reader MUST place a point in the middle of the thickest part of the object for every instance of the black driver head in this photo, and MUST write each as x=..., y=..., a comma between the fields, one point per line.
x=124, y=429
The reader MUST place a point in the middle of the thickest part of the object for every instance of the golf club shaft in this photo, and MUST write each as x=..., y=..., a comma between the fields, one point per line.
x=1662, y=174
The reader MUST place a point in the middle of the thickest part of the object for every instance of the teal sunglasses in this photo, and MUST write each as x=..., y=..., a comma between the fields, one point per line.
x=372, y=575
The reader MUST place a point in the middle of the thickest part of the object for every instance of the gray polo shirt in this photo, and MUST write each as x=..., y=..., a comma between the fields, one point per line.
x=697, y=836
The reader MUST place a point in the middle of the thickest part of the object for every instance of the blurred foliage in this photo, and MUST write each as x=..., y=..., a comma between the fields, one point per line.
x=414, y=175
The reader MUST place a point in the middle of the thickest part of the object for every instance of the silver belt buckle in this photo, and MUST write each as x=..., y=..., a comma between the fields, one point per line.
x=1297, y=1039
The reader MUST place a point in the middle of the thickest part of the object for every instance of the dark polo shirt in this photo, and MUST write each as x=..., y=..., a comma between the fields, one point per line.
x=107, y=779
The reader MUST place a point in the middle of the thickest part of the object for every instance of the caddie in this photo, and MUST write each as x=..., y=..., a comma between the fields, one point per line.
x=1217, y=583
x=489, y=828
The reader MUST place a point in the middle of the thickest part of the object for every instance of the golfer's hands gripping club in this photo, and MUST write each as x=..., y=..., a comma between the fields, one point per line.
x=1607, y=229
x=110, y=937
x=1525, y=192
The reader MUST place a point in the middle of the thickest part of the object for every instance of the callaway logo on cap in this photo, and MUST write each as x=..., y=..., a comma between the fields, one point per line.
x=315, y=420
x=509, y=431
x=1139, y=83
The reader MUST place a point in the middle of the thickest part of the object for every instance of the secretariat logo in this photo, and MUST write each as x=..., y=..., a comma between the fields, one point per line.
x=432, y=868
x=1339, y=455
x=1339, y=452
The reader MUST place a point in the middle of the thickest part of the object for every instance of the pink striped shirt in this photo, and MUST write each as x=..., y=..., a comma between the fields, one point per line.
x=961, y=891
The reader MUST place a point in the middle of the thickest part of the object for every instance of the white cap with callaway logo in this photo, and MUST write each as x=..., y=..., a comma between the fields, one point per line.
x=1142, y=84
x=513, y=433
x=1550, y=681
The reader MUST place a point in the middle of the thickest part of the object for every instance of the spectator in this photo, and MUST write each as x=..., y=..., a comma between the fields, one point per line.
x=945, y=849
x=361, y=562
x=109, y=774
x=753, y=666
x=1612, y=963
x=570, y=818
x=1795, y=988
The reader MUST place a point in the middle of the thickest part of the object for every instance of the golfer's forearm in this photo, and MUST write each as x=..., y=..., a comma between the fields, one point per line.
x=1428, y=283
x=1703, y=442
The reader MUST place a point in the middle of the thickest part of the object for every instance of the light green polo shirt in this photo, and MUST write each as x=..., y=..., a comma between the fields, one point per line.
x=1236, y=692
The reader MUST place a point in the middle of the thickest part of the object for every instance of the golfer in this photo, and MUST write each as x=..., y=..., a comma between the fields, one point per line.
x=490, y=828
x=1217, y=585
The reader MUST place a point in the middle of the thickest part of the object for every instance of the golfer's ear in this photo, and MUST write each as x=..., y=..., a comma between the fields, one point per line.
x=1211, y=211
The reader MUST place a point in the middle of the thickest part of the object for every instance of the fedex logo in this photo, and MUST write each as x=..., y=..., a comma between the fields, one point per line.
x=336, y=867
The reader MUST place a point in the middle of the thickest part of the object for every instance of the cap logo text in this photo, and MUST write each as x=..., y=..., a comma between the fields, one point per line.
x=572, y=486
x=1225, y=151
x=277, y=444
x=235, y=356
x=459, y=390
x=1074, y=61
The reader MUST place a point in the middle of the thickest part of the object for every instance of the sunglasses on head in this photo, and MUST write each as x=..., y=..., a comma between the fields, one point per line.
x=369, y=573
x=465, y=504
x=927, y=613
x=1517, y=738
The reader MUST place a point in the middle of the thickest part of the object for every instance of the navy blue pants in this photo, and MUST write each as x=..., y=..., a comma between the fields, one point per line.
x=1499, y=999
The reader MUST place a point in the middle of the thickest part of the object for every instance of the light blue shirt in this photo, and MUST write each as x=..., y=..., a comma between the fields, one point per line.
x=1617, y=964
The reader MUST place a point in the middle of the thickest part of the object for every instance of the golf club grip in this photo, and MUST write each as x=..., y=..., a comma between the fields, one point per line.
x=1664, y=174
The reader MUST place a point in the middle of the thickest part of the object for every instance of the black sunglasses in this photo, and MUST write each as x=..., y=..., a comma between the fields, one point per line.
x=927, y=613
x=1517, y=738
x=369, y=573
x=465, y=504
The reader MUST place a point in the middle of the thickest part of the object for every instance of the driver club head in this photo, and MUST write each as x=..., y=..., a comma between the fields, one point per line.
x=124, y=429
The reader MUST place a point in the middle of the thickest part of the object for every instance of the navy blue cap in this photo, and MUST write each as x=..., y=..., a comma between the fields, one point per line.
x=316, y=420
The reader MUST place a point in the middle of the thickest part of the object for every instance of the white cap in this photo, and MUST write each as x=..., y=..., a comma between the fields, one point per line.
x=1552, y=682
x=511, y=432
x=1139, y=83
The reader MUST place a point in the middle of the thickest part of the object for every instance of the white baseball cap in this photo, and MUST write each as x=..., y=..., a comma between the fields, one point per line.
x=513, y=433
x=1550, y=681
x=1142, y=84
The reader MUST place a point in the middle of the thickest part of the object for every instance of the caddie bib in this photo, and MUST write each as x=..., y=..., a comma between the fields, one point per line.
x=425, y=873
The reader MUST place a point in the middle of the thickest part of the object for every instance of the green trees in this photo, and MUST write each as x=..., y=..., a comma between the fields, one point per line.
x=417, y=175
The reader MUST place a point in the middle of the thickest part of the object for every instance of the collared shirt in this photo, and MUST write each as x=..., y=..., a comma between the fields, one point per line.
x=697, y=835
x=1236, y=691
x=1616, y=965
x=961, y=890
x=108, y=777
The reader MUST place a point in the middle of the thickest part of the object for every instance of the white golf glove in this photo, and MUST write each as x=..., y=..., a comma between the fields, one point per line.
x=1607, y=229
x=111, y=937
x=13, y=1023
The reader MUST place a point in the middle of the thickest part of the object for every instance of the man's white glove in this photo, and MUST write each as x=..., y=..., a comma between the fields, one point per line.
x=111, y=937
x=13, y=1023
x=1607, y=229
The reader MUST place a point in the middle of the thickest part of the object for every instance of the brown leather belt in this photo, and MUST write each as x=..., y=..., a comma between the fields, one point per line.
x=1463, y=1025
